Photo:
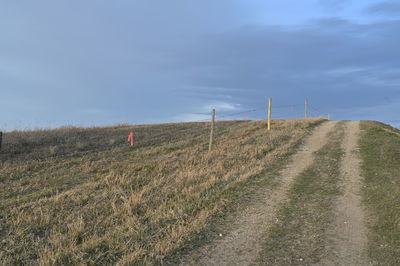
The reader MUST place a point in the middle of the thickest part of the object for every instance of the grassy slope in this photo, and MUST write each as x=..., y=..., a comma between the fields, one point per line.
x=128, y=205
x=380, y=151
x=300, y=234
x=19, y=146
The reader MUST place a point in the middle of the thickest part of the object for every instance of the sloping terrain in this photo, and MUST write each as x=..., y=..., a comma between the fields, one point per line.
x=335, y=203
x=380, y=153
x=242, y=241
x=101, y=202
x=309, y=192
x=22, y=146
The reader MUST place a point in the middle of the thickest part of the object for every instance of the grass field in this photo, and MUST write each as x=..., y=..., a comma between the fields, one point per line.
x=112, y=204
x=19, y=146
x=380, y=150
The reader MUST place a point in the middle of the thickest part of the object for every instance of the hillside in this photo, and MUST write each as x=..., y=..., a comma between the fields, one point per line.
x=42, y=144
x=380, y=154
x=306, y=192
x=71, y=196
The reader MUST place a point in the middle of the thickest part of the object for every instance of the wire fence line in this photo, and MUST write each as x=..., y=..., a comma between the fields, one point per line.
x=201, y=131
x=285, y=112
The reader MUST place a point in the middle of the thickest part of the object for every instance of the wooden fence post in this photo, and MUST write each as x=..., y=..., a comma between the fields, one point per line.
x=269, y=112
x=329, y=116
x=212, y=129
x=306, y=108
x=1, y=139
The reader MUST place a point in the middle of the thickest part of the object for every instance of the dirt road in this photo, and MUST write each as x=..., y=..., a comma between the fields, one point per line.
x=348, y=235
x=241, y=244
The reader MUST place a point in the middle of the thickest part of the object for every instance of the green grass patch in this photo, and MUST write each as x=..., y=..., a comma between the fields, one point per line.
x=299, y=237
x=380, y=151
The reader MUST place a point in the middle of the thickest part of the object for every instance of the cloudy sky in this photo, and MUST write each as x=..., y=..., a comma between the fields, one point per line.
x=100, y=62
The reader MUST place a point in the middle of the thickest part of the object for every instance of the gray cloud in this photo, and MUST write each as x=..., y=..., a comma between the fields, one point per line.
x=385, y=8
x=65, y=57
x=333, y=5
x=334, y=61
x=133, y=62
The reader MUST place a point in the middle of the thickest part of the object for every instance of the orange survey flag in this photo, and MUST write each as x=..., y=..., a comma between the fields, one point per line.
x=131, y=139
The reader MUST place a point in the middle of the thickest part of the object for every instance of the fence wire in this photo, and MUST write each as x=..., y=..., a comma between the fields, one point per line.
x=201, y=132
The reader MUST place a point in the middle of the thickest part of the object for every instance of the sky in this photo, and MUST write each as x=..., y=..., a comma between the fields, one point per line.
x=100, y=62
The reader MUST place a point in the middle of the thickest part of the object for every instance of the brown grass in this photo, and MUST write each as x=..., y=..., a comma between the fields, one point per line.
x=19, y=146
x=130, y=205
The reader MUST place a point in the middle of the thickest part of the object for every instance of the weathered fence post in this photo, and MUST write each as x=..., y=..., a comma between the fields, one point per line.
x=1, y=139
x=269, y=112
x=306, y=108
x=329, y=116
x=212, y=129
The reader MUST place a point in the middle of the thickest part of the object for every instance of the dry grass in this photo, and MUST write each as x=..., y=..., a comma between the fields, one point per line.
x=130, y=206
x=19, y=146
x=379, y=146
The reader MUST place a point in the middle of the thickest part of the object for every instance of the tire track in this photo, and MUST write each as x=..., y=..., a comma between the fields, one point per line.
x=241, y=244
x=347, y=239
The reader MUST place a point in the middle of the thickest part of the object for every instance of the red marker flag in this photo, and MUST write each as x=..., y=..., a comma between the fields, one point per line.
x=131, y=139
